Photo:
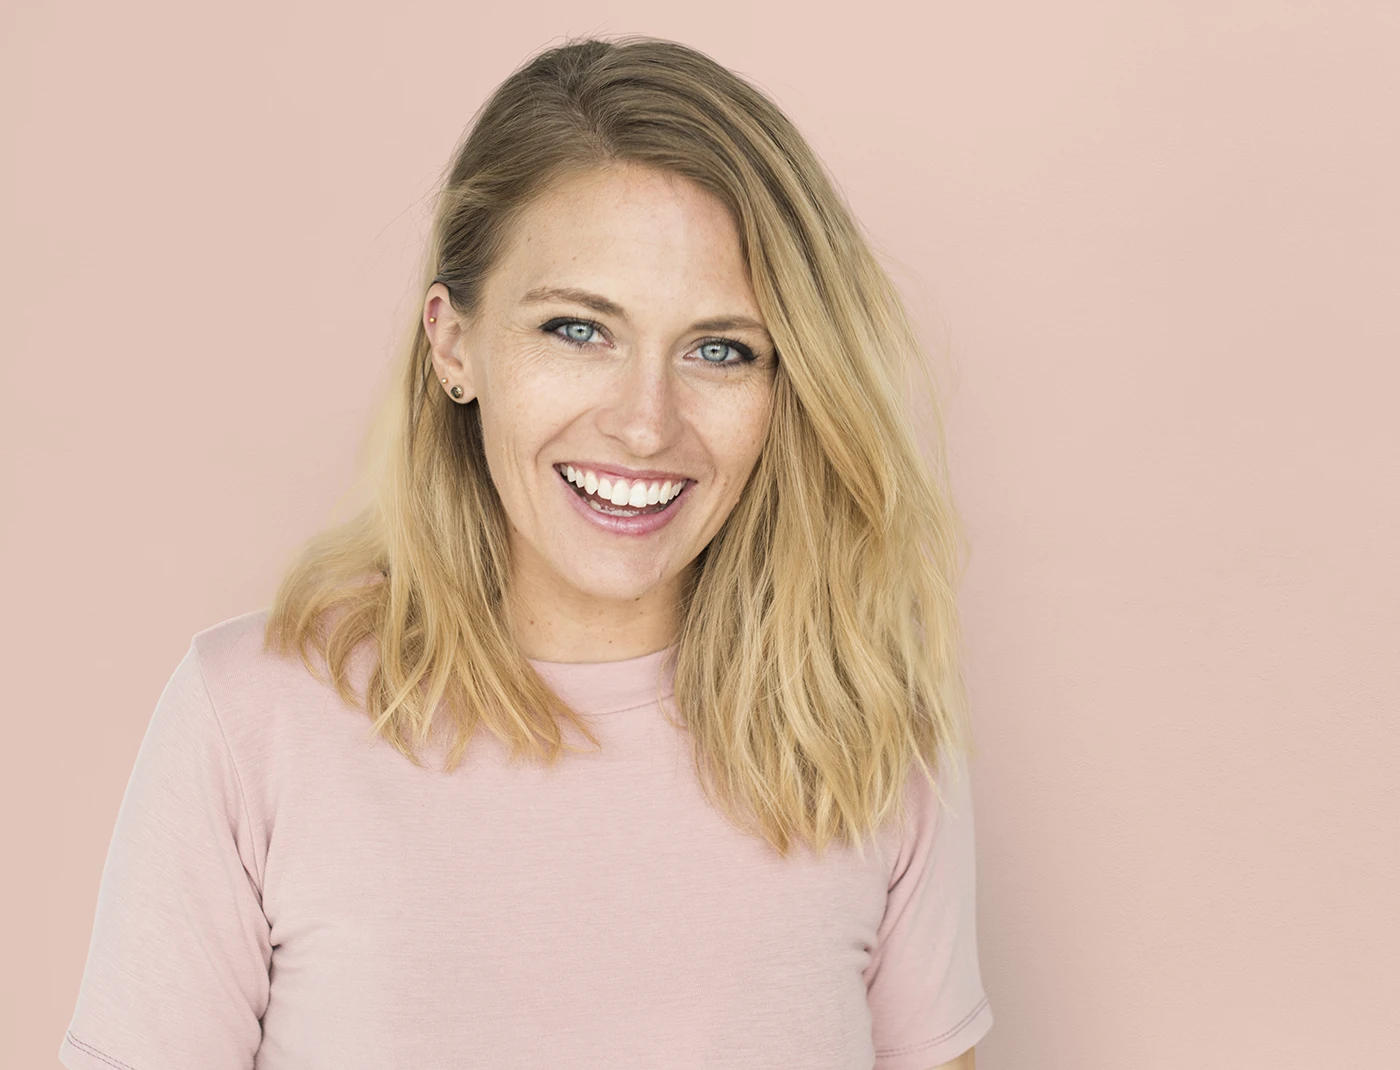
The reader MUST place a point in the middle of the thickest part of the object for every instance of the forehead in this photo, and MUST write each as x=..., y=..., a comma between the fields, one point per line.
x=635, y=234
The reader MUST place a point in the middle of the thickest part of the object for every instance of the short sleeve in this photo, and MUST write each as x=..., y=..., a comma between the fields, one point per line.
x=924, y=982
x=177, y=973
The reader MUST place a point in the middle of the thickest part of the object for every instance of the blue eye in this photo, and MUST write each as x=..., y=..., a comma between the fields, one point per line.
x=576, y=332
x=713, y=351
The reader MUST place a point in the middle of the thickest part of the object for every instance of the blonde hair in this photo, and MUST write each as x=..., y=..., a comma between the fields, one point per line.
x=818, y=657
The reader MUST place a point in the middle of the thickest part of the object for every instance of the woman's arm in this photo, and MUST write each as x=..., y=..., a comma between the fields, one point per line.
x=966, y=1061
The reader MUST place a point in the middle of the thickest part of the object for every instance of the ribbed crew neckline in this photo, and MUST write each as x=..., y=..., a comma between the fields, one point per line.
x=597, y=687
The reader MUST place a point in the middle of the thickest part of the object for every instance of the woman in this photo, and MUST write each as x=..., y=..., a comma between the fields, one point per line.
x=647, y=482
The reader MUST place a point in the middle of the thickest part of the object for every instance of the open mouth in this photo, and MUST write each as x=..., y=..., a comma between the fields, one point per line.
x=600, y=500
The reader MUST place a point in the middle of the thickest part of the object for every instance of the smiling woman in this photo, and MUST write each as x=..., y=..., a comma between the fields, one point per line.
x=606, y=383
x=648, y=481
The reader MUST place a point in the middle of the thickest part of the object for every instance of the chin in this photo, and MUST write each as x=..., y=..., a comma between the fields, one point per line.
x=617, y=592
x=623, y=586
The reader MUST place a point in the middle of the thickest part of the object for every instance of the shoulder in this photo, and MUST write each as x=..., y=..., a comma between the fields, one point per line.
x=248, y=684
x=232, y=654
x=232, y=637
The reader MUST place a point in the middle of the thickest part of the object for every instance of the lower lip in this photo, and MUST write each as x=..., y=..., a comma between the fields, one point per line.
x=644, y=524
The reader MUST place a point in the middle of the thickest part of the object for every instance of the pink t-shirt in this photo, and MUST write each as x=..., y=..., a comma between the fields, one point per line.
x=284, y=891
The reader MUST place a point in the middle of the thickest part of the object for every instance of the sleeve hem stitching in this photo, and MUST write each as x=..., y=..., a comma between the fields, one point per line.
x=966, y=1021
x=95, y=1053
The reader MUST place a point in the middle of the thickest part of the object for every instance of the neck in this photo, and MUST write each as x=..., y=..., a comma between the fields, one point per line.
x=550, y=624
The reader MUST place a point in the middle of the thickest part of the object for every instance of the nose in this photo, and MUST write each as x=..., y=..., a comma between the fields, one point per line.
x=641, y=412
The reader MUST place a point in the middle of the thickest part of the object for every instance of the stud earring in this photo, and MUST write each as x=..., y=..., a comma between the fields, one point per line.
x=456, y=393
x=432, y=319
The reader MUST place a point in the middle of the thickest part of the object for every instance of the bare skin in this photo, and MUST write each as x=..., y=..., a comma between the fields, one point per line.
x=650, y=383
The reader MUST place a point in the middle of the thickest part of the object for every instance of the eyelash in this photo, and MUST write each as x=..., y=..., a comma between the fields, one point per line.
x=746, y=355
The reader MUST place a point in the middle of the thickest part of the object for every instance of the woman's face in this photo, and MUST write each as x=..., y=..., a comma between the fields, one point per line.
x=619, y=338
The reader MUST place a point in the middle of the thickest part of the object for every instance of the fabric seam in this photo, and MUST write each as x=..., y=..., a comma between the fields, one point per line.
x=232, y=761
x=638, y=706
x=966, y=1021
x=96, y=1053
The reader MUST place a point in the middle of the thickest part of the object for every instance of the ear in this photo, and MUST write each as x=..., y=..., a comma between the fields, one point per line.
x=446, y=337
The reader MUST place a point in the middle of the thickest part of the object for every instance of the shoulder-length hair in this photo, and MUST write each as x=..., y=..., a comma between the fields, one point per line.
x=818, y=658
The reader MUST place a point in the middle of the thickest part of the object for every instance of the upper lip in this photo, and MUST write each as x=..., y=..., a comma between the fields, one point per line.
x=629, y=474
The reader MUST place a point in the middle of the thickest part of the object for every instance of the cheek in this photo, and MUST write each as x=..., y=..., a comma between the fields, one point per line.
x=521, y=413
x=737, y=430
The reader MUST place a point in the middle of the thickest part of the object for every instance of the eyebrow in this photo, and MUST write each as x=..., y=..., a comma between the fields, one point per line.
x=604, y=307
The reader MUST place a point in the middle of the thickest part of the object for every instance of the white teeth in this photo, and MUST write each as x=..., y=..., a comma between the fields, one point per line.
x=633, y=495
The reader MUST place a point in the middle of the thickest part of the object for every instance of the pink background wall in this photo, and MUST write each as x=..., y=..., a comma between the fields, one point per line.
x=1160, y=241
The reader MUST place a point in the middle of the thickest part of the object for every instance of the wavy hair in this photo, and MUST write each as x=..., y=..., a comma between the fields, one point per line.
x=818, y=657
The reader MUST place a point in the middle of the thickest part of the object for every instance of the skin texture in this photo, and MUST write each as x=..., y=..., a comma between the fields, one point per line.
x=648, y=389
